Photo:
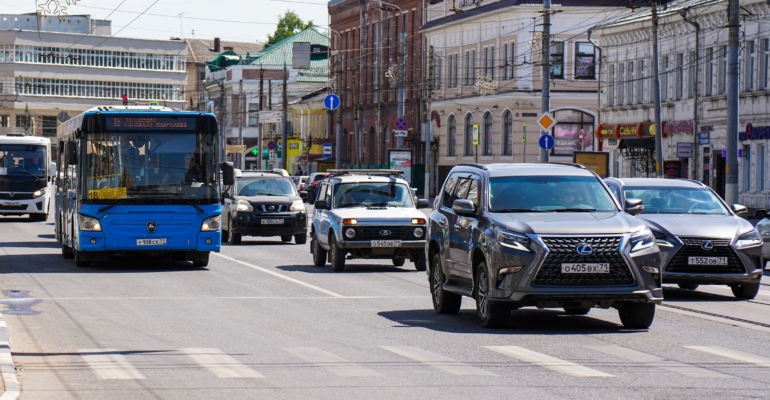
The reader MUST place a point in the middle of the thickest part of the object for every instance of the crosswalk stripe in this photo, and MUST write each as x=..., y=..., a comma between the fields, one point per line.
x=437, y=361
x=546, y=361
x=734, y=354
x=220, y=364
x=331, y=362
x=110, y=364
x=655, y=361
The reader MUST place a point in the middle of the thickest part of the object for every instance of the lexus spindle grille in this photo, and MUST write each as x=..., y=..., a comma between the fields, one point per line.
x=603, y=250
x=694, y=247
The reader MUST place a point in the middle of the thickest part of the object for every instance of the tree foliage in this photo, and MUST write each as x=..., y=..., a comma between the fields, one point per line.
x=288, y=24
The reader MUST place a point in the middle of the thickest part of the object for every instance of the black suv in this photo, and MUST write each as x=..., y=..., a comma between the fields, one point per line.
x=263, y=203
x=543, y=235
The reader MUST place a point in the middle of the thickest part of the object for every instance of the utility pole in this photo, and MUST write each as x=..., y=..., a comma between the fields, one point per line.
x=240, y=157
x=546, y=61
x=223, y=123
x=428, y=125
x=357, y=133
x=731, y=176
x=261, y=125
x=656, y=94
x=270, y=163
x=695, y=105
x=339, y=138
x=401, y=81
x=285, y=131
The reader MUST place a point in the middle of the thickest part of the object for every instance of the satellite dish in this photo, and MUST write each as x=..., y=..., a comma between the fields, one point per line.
x=63, y=116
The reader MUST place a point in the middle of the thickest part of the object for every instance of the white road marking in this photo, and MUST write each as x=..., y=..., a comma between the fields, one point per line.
x=655, y=361
x=734, y=354
x=331, y=362
x=281, y=276
x=110, y=364
x=761, y=292
x=221, y=364
x=437, y=361
x=546, y=361
x=732, y=322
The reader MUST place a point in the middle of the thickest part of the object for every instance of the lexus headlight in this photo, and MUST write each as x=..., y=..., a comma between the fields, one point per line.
x=749, y=239
x=642, y=240
x=298, y=205
x=513, y=240
x=763, y=227
x=39, y=192
x=243, y=205
x=89, y=224
x=211, y=224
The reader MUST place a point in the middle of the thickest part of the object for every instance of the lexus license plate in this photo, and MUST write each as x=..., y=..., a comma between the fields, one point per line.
x=707, y=260
x=11, y=204
x=274, y=221
x=386, y=243
x=585, y=268
x=151, y=242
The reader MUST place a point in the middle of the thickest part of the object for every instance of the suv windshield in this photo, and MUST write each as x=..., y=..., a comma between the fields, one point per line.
x=265, y=187
x=549, y=194
x=677, y=200
x=384, y=194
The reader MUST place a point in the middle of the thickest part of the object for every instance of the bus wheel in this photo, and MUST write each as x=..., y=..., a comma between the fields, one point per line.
x=66, y=252
x=202, y=262
x=79, y=262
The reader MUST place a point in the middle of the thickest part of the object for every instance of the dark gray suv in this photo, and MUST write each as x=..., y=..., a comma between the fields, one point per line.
x=542, y=235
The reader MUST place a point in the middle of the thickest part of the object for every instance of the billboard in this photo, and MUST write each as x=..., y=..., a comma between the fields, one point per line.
x=597, y=161
x=401, y=160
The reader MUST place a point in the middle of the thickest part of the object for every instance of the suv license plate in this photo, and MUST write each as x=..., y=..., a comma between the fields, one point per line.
x=585, y=268
x=386, y=243
x=11, y=204
x=278, y=221
x=707, y=260
x=151, y=242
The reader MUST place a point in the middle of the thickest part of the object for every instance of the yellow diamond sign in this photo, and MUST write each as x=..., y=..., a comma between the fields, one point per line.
x=546, y=121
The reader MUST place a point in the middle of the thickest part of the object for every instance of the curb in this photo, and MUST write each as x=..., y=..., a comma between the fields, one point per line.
x=12, y=388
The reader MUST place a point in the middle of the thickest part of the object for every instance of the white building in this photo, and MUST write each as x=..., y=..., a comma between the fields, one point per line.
x=695, y=128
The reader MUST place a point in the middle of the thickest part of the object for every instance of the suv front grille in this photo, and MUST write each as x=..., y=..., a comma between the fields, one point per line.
x=692, y=248
x=563, y=250
x=382, y=233
x=265, y=208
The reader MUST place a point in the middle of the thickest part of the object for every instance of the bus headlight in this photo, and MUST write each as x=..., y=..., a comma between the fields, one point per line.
x=298, y=205
x=244, y=205
x=39, y=192
x=89, y=224
x=211, y=224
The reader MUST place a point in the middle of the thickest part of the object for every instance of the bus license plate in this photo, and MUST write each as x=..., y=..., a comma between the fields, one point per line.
x=150, y=242
x=386, y=243
x=707, y=260
x=585, y=268
x=278, y=221
x=11, y=204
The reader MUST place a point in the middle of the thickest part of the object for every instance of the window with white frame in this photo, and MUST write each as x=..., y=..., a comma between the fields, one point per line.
x=722, y=73
x=508, y=61
x=468, y=150
x=489, y=134
x=691, y=68
x=611, y=86
x=451, y=140
x=664, y=79
x=91, y=58
x=764, y=57
x=710, y=60
x=508, y=133
x=98, y=89
x=253, y=114
x=557, y=60
x=473, y=68
x=467, y=68
x=621, y=83
x=679, y=73
x=489, y=61
x=585, y=60
x=760, y=185
x=746, y=161
x=640, y=82
x=630, y=83
x=748, y=80
x=437, y=63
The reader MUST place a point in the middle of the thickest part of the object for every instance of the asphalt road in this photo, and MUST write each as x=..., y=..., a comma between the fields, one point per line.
x=262, y=322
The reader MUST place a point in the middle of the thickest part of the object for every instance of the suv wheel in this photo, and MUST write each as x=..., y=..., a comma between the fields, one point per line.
x=421, y=263
x=688, y=286
x=399, y=262
x=336, y=256
x=233, y=238
x=443, y=302
x=637, y=315
x=745, y=290
x=319, y=254
x=490, y=315
x=300, y=239
x=577, y=310
x=225, y=236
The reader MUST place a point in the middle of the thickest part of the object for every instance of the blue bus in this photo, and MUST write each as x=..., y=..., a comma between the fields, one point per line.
x=139, y=181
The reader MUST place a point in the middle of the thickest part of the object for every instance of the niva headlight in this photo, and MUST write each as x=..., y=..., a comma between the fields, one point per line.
x=89, y=224
x=749, y=239
x=513, y=240
x=39, y=192
x=243, y=205
x=297, y=205
x=642, y=240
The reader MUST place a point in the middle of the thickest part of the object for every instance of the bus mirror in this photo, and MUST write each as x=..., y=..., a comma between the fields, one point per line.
x=72, y=156
x=228, y=174
x=52, y=171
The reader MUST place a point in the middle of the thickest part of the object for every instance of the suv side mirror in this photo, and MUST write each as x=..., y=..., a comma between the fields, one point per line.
x=321, y=205
x=303, y=195
x=423, y=203
x=228, y=174
x=633, y=206
x=463, y=207
x=739, y=210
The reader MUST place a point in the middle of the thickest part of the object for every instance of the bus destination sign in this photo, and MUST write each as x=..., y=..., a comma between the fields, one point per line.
x=151, y=123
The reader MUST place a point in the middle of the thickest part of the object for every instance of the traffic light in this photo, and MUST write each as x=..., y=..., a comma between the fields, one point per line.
x=125, y=99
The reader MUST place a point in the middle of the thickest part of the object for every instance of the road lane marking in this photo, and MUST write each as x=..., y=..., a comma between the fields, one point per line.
x=734, y=354
x=437, y=361
x=281, y=276
x=331, y=362
x=546, y=361
x=110, y=364
x=221, y=364
x=655, y=361
x=714, y=317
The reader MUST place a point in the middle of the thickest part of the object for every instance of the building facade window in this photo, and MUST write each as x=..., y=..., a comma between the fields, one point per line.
x=451, y=140
x=611, y=86
x=746, y=168
x=750, y=65
x=722, y=73
x=467, y=68
x=489, y=135
x=508, y=61
x=557, y=60
x=49, y=126
x=709, y=86
x=489, y=62
x=468, y=150
x=691, y=68
x=621, y=83
x=507, y=134
x=630, y=83
x=97, y=89
x=764, y=57
x=679, y=93
x=664, y=79
x=760, y=186
x=253, y=114
x=473, y=68
x=585, y=60
x=640, y=82
x=573, y=132
x=91, y=58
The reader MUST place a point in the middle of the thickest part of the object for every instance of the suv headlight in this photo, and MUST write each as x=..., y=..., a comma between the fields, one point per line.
x=749, y=239
x=763, y=227
x=244, y=205
x=513, y=240
x=642, y=240
x=39, y=192
x=297, y=205
x=211, y=224
x=662, y=239
x=89, y=224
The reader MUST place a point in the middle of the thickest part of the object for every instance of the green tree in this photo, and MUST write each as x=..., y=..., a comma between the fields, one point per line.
x=288, y=24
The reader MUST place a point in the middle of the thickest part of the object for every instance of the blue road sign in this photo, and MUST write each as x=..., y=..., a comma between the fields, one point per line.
x=401, y=124
x=546, y=142
x=331, y=101
x=271, y=145
x=327, y=150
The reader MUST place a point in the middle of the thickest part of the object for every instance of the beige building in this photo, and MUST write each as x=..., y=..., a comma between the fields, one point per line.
x=487, y=73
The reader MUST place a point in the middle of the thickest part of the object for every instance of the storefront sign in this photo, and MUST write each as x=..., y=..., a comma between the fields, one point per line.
x=598, y=161
x=706, y=128
x=605, y=131
x=626, y=131
x=755, y=133
x=672, y=169
x=672, y=127
x=647, y=130
x=684, y=150
x=704, y=138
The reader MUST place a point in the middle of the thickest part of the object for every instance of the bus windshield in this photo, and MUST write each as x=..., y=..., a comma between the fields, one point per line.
x=153, y=165
x=23, y=159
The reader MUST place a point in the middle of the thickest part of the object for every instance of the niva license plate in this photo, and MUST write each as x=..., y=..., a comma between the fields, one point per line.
x=585, y=268
x=386, y=243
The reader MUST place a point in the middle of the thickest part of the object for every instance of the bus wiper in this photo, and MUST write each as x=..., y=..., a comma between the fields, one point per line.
x=515, y=210
x=575, y=209
x=183, y=199
x=122, y=201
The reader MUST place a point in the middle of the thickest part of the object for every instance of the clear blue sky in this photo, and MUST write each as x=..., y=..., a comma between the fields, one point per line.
x=245, y=20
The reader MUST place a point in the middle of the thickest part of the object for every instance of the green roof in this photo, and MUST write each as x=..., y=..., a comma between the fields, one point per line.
x=280, y=53
x=223, y=60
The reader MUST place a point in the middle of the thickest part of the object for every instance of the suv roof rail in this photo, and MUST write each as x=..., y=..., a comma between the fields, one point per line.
x=337, y=172
x=474, y=165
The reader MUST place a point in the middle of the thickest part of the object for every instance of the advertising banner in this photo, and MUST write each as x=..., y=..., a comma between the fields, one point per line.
x=401, y=160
